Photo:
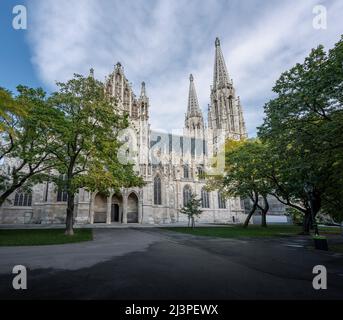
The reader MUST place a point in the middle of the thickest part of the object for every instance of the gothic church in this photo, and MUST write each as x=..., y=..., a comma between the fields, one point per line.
x=171, y=165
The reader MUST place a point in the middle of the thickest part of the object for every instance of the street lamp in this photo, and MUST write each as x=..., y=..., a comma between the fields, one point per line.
x=309, y=189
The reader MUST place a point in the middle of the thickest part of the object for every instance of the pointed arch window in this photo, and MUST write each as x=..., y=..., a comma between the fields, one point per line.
x=62, y=194
x=201, y=172
x=23, y=199
x=187, y=193
x=205, y=199
x=157, y=191
x=221, y=201
x=186, y=171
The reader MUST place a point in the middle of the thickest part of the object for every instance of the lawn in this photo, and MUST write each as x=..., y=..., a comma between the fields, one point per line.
x=237, y=231
x=32, y=237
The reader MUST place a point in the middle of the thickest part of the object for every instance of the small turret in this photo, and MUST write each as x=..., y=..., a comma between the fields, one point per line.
x=143, y=103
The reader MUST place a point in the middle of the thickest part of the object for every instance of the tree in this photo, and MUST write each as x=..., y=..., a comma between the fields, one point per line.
x=192, y=209
x=244, y=175
x=303, y=129
x=87, y=141
x=26, y=139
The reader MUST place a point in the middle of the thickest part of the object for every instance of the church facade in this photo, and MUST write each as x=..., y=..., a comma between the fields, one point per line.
x=171, y=164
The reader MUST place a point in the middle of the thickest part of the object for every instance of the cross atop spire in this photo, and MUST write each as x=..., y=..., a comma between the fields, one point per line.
x=193, y=104
x=221, y=75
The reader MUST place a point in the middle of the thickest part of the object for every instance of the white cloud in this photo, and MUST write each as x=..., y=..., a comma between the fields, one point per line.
x=162, y=41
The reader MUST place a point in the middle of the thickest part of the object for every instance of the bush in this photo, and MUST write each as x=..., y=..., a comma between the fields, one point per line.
x=296, y=216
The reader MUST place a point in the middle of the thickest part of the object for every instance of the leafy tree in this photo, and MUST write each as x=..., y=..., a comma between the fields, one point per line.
x=244, y=175
x=192, y=209
x=304, y=132
x=26, y=139
x=88, y=141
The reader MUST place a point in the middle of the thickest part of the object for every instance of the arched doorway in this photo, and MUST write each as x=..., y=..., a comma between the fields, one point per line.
x=132, y=208
x=117, y=208
x=100, y=208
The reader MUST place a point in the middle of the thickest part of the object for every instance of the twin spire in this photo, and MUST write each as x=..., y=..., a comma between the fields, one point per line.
x=220, y=74
x=220, y=80
x=193, y=104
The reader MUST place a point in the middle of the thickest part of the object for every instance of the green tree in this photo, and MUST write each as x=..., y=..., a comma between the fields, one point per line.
x=26, y=139
x=88, y=141
x=192, y=209
x=303, y=129
x=244, y=175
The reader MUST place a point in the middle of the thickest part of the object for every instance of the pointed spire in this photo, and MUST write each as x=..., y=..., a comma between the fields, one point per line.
x=193, y=104
x=194, y=121
x=221, y=75
x=143, y=90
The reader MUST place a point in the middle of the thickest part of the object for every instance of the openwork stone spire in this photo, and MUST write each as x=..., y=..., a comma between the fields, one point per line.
x=225, y=112
x=193, y=104
x=194, y=121
x=220, y=75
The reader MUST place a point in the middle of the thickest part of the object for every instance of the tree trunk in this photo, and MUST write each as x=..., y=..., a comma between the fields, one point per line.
x=193, y=223
x=307, y=223
x=263, y=219
x=70, y=214
x=10, y=190
x=265, y=210
x=252, y=211
x=4, y=196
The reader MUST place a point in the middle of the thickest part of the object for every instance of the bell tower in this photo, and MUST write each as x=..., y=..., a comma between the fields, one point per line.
x=225, y=115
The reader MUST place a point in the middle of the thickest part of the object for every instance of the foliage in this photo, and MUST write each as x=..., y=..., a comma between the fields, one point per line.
x=298, y=157
x=26, y=139
x=296, y=215
x=304, y=132
x=244, y=174
x=87, y=141
x=192, y=209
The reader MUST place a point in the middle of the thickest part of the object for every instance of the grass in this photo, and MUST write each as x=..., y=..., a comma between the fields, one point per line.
x=237, y=231
x=33, y=237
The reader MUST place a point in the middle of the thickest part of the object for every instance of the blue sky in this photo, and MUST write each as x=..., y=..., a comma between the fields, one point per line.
x=161, y=42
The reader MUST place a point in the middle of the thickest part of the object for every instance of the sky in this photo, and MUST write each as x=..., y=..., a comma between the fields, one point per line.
x=161, y=42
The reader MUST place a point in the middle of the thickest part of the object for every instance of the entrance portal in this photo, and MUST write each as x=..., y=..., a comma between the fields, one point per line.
x=132, y=208
x=115, y=212
x=117, y=208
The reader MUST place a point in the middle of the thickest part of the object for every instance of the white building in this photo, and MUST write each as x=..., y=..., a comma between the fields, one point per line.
x=170, y=164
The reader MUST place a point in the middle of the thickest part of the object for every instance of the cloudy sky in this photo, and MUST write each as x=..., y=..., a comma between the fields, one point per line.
x=161, y=42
